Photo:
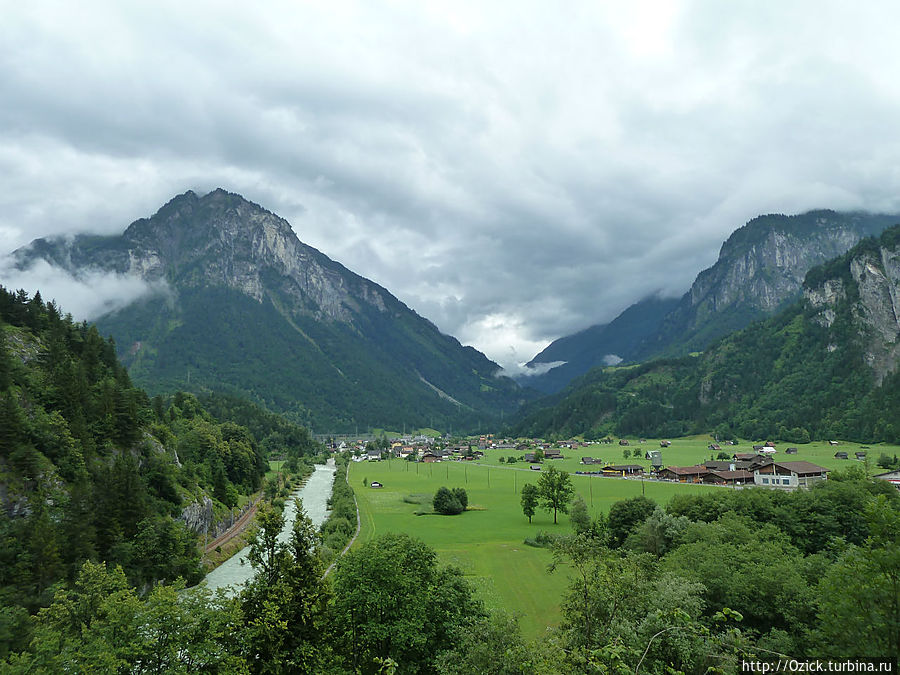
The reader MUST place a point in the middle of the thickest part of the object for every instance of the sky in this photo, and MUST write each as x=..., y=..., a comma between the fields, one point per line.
x=513, y=171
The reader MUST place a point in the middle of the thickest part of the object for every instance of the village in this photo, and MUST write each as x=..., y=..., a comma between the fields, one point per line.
x=761, y=466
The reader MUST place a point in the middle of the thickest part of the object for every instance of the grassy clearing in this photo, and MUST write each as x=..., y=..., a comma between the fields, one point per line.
x=486, y=542
x=274, y=468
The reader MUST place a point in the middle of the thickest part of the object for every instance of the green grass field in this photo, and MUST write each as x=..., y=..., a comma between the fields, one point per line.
x=486, y=542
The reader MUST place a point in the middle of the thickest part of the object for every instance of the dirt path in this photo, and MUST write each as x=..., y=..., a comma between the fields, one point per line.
x=239, y=526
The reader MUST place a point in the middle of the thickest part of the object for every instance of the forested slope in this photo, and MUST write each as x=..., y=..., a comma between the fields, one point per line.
x=92, y=469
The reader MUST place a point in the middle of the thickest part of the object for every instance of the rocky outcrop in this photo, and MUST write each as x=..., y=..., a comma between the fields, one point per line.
x=766, y=273
x=198, y=516
x=870, y=291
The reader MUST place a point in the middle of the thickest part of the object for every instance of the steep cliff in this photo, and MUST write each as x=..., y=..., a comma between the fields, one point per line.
x=245, y=307
x=863, y=289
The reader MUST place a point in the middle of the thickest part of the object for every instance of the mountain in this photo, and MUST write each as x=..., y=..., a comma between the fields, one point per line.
x=759, y=271
x=247, y=308
x=598, y=345
x=824, y=367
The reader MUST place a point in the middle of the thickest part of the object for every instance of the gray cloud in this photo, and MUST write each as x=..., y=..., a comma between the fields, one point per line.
x=86, y=296
x=512, y=171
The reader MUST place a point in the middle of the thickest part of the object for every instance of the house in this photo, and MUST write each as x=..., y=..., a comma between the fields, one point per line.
x=768, y=450
x=739, y=477
x=757, y=448
x=535, y=467
x=623, y=442
x=791, y=451
x=650, y=454
x=770, y=444
x=529, y=457
x=833, y=443
x=430, y=458
x=373, y=455
x=683, y=474
x=860, y=454
x=892, y=477
x=591, y=460
x=665, y=444
x=552, y=454
x=714, y=446
x=745, y=456
x=841, y=455
x=789, y=474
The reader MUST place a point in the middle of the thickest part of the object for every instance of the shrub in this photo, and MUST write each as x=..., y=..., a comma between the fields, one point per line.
x=461, y=496
x=446, y=502
x=542, y=539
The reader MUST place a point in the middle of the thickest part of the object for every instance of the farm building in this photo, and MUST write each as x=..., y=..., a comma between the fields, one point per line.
x=683, y=474
x=789, y=474
x=739, y=477
x=623, y=470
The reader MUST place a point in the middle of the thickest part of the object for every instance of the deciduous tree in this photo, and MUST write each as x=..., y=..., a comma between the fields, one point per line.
x=555, y=490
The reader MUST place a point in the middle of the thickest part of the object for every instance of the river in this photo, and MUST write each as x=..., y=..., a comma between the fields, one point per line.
x=234, y=572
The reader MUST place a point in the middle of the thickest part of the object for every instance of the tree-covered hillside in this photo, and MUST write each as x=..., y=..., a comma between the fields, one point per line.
x=93, y=469
x=823, y=368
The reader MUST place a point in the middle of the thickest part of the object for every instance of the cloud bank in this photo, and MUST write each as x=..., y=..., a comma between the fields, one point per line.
x=87, y=296
x=513, y=171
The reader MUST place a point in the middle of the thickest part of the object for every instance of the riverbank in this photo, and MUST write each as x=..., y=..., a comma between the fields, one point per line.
x=313, y=494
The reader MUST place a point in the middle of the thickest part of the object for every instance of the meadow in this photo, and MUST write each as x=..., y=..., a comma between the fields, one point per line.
x=486, y=541
x=694, y=450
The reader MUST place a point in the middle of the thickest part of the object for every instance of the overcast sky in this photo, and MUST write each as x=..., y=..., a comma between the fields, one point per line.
x=512, y=171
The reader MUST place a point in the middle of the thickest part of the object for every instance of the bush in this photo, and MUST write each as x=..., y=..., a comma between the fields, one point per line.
x=461, y=496
x=542, y=539
x=446, y=502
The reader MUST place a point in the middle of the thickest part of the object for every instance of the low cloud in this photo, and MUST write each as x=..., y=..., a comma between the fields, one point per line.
x=86, y=296
x=612, y=359
x=524, y=370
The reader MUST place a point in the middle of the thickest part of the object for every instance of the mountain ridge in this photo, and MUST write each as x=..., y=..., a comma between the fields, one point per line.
x=824, y=367
x=760, y=269
x=327, y=328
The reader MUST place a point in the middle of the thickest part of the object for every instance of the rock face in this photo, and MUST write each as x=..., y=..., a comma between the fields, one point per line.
x=864, y=289
x=198, y=516
x=760, y=270
x=220, y=239
x=250, y=309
